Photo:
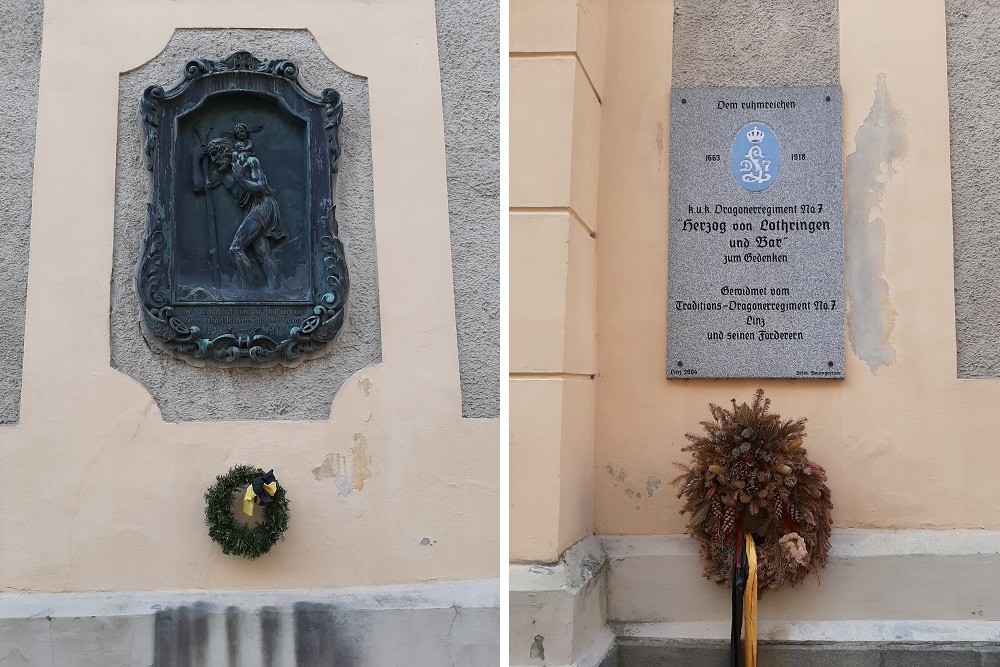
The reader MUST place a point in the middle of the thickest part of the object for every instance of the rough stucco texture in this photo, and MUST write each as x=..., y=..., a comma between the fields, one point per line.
x=185, y=392
x=973, y=89
x=20, y=47
x=753, y=43
x=469, y=52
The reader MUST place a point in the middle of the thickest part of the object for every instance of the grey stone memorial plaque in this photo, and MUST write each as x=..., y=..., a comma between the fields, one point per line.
x=756, y=241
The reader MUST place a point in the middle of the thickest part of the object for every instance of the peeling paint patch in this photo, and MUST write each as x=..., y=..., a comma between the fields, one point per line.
x=349, y=471
x=538, y=648
x=632, y=487
x=325, y=470
x=428, y=542
x=366, y=386
x=880, y=144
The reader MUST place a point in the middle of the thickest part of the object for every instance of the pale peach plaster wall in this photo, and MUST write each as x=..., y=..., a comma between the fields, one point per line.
x=907, y=446
x=557, y=56
x=577, y=27
x=101, y=493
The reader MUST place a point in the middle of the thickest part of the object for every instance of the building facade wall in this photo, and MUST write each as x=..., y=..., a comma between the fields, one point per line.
x=556, y=86
x=116, y=479
x=889, y=433
x=904, y=438
x=881, y=431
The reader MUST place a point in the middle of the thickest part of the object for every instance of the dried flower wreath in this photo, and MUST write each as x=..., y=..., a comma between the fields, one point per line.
x=750, y=475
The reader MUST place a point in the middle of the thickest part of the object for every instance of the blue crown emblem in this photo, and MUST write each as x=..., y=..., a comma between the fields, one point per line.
x=755, y=157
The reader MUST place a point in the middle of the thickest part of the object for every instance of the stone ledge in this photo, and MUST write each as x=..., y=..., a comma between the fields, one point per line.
x=870, y=633
x=872, y=575
x=704, y=654
x=886, y=599
x=558, y=612
x=422, y=625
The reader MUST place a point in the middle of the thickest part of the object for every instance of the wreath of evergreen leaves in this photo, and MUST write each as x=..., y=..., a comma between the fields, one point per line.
x=235, y=538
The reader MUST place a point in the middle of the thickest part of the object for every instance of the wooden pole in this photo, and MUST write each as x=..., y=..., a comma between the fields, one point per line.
x=213, y=227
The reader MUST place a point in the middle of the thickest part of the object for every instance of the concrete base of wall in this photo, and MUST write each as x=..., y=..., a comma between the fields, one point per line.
x=885, y=598
x=455, y=623
x=646, y=653
x=558, y=613
x=872, y=575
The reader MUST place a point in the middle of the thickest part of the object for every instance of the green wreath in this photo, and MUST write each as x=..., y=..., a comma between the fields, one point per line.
x=235, y=538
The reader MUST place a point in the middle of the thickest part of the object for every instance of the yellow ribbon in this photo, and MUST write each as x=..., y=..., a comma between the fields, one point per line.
x=250, y=498
x=750, y=607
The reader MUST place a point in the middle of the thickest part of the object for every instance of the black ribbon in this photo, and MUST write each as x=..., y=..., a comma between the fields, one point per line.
x=263, y=497
x=740, y=573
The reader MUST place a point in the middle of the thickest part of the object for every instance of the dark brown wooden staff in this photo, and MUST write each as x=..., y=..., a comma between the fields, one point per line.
x=213, y=226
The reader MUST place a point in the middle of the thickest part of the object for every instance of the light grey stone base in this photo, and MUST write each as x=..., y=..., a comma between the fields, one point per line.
x=648, y=653
x=455, y=623
x=886, y=598
x=872, y=575
x=558, y=613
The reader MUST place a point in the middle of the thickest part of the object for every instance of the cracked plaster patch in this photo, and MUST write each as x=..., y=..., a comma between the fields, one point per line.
x=349, y=471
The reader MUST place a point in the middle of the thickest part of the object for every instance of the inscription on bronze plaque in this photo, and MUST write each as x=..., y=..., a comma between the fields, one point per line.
x=241, y=261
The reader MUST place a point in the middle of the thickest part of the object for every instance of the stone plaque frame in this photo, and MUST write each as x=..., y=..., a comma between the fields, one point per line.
x=302, y=304
x=756, y=235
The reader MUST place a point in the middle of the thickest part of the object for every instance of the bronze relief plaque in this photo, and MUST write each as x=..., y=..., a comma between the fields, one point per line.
x=241, y=261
